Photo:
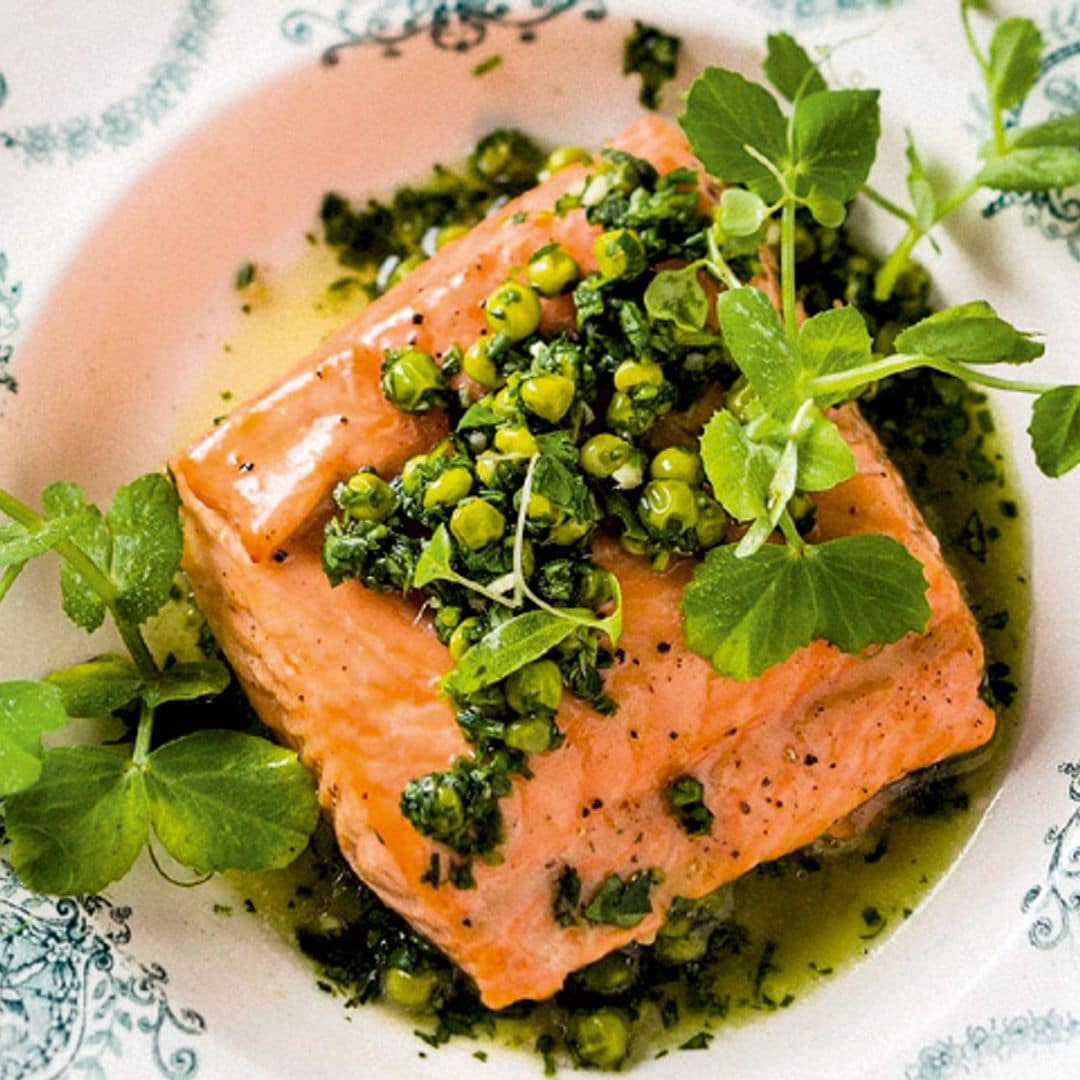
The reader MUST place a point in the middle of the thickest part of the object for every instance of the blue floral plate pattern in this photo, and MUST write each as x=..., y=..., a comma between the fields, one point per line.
x=121, y=987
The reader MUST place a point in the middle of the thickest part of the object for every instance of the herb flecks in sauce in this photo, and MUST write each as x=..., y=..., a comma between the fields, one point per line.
x=654, y=55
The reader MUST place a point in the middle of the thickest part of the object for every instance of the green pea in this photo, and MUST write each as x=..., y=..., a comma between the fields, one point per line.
x=412, y=381
x=535, y=687
x=448, y=488
x=478, y=365
x=541, y=508
x=668, y=506
x=513, y=309
x=611, y=974
x=449, y=806
x=599, y=1039
x=596, y=587
x=446, y=620
x=604, y=454
x=412, y=472
x=548, y=396
x=631, y=373
x=467, y=633
x=403, y=268
x=530, y=736
x=623, y=415
x=568, y=532
x=682, y=949
x=489, y=468
x=677, y=463
x=619, y=253
x=504, y=403
x=448, y=233
x=552, y=271
x=367, y=497
x=515, y=440
x=563, y=157
x=476, y=523
x=410, y=989
x=712, y=522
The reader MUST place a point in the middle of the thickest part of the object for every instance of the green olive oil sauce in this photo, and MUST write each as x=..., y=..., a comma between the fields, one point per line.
x=786, y=926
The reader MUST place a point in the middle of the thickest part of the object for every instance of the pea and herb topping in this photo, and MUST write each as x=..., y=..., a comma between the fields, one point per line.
x=412, y=380
x=587, y=427
x=380, y=242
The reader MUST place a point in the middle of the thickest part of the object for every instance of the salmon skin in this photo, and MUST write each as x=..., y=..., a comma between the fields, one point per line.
x=350, y=677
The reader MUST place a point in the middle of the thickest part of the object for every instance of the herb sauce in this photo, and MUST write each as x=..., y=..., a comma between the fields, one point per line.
x=787, y=925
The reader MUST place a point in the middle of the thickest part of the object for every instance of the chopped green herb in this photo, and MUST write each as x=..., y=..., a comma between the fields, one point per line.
x=685, y=798
x=654, y=56
x=245, y=276
x=621, y=903
x=700, y=1041
x=488, y=64
x=567, y=897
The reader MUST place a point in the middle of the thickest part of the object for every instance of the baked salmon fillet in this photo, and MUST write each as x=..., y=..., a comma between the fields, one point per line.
x=350, y=676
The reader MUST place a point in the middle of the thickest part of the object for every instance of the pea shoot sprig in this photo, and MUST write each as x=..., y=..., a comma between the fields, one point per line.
x=1027, y=159
x=751, y=604
x=76, y=816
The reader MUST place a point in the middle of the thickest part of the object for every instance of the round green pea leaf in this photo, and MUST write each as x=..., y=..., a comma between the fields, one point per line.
x=741, y=212
x=81, y=825
x=27, y=709
x=827, y=211
x=222, y=800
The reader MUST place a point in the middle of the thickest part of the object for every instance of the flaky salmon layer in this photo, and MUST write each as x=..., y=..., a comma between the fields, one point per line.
x=350, y=677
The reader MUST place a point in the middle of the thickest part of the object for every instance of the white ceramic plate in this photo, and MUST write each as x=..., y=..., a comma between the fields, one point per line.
x=145, y=152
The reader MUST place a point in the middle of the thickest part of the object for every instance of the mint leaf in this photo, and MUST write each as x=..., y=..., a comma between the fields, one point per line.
x=677, y=296
x=725, y=113
x=82, y=604
x=434, y=561
x=18, y=543
x=27, y=710
x=758, y=345
x=746, y=614
x=969, y=332
x=1059, y=131
x=147, y=542
x=739, y=469
x=832, y=341
x=1055, y=430
x=81, y=825
x=923, y=199
x=836, y=134
x=789, y=68
x=99, y=686
x=222, y=800
x=509, y=646
x=185, y=682
x=1042, y=169
x=1015, y=55
x=621, y=903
